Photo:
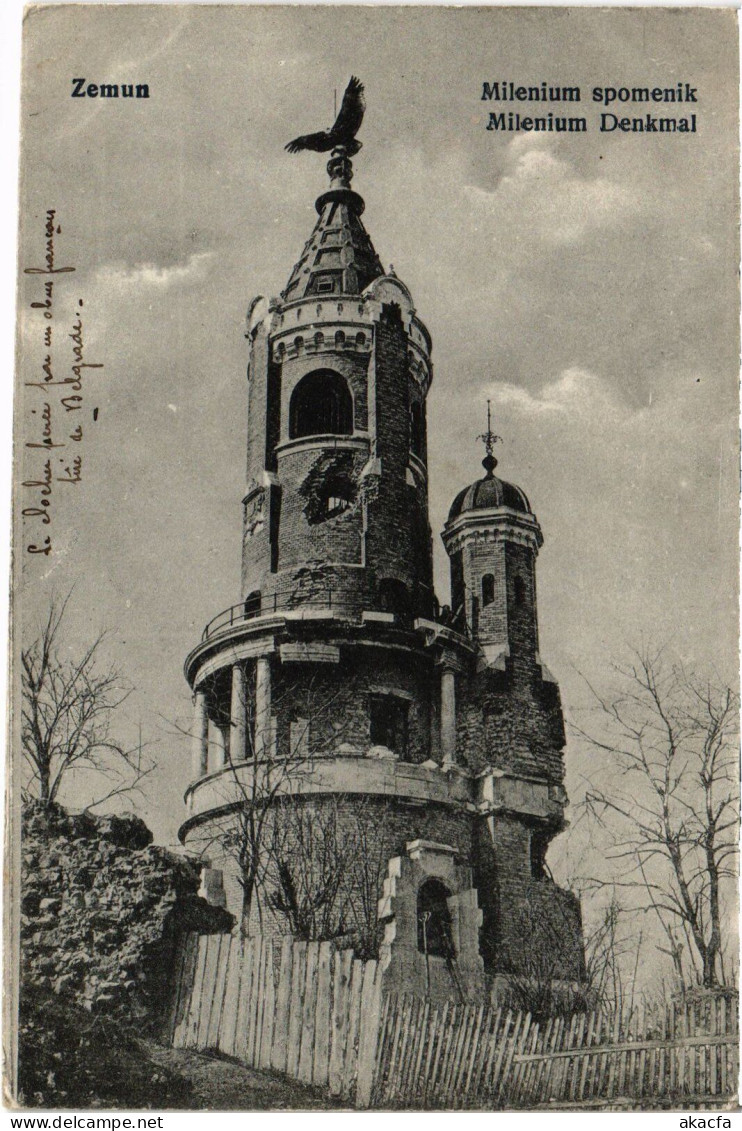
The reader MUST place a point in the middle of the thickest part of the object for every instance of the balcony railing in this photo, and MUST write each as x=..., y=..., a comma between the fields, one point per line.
x=335, y=600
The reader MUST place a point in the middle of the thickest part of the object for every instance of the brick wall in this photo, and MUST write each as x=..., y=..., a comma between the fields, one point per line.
x=398, y=541
x=376, y=828
x=515, y=905
x=301, y=538
x=522, y=613
x=512, y=721
x=256, y=542
x=479, y=559
x=387, y=527
x=359, y=835
x=335, y=699
x=257, y=406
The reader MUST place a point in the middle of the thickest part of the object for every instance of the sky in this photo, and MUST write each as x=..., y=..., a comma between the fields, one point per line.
x=585, y=283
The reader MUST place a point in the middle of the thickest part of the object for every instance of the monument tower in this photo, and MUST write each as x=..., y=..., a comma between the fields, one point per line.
x=334, y=703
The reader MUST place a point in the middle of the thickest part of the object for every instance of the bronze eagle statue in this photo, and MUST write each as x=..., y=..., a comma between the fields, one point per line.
x=347, y=125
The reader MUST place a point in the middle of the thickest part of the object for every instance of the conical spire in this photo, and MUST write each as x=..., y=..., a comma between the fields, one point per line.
x=338, y=258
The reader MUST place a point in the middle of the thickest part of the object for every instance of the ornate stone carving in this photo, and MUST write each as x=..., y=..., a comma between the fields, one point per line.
x=254, y=512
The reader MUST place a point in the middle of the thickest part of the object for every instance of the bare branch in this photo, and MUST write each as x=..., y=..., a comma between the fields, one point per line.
x=66, y=715
x=669, y=794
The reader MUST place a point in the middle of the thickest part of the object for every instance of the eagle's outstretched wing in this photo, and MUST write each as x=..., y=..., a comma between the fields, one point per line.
x=319, y=142
x=348, y=121
x=347, y=125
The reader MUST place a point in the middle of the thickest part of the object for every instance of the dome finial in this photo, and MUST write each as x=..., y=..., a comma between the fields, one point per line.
x=489, y=463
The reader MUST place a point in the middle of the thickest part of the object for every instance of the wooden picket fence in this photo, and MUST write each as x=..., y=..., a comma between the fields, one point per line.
x=474, y=1056
x=306, y=1010
x=316, y=1014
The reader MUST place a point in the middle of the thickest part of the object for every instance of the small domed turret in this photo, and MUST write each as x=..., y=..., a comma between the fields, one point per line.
x=492, y=537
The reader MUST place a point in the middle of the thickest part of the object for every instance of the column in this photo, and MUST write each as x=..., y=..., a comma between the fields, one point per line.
x=238, y=715
x=200, y=736
x=217, y=747
x=448, y=716
x=263, y=707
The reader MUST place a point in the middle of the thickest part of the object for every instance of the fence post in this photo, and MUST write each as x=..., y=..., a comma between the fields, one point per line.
x=368, y=1032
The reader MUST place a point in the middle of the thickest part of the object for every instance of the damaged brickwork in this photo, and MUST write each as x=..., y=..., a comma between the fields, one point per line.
x=331, y=475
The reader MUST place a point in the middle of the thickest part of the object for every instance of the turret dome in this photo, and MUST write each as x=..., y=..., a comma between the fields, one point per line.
x=488, y=493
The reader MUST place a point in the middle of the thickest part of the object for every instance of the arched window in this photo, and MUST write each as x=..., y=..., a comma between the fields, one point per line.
x=394, y=596
x=252, y=604
x=417, y=429
x=320, y=404
x=519, y=588
x=488, y=589
x=434, y=935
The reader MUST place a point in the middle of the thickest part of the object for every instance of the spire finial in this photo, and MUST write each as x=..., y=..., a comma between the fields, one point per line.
x=489, y=463
x=340, y=168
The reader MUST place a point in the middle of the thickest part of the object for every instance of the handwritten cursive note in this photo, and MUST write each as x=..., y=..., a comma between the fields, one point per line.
x=54, y=436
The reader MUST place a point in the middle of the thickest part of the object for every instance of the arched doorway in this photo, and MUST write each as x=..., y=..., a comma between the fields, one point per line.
x=434, y=933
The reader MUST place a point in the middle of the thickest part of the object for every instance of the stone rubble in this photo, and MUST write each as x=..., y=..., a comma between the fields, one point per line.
x=102, y=909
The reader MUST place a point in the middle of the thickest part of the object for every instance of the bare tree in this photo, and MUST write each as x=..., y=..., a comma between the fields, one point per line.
x=612, y=955
x=312, y=858
x=68, y=706
x=547, y=977
x=252, y=834
x=369, y=866
x=668, y=803
x=328, y=862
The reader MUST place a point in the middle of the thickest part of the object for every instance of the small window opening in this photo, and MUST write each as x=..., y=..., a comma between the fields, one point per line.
x=389, y=719
x=324, y=286
x=417, y=429
x=539, y=845
x=338, y=495
x=434, y=934
x=336, y=504
x=474, y=613
x=488, y=589
x=519, y=588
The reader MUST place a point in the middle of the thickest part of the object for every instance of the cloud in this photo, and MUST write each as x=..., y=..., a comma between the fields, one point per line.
x=557, y=205
x=194, y=270
x=575, y=391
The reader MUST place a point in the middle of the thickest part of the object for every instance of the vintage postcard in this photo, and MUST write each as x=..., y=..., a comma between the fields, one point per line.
x=342, y=333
